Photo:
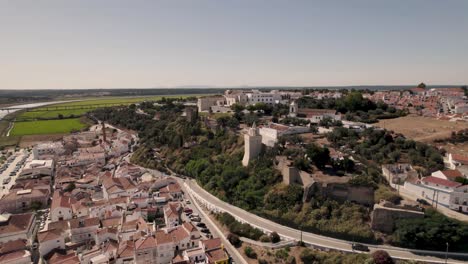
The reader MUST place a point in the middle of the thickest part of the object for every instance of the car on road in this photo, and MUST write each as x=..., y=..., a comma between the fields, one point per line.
x=205, y=230
x=6, y=180
x=360, y=247
x=188, y=210
x=195, y=219
x=187, y=202
x=201, y=224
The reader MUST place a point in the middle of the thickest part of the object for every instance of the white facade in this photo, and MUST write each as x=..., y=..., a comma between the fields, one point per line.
x=35, y=168
x=459, y=199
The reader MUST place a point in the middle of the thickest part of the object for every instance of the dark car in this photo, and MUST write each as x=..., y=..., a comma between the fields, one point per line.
x=205, y=230
x=360, y=247
x=201, y=225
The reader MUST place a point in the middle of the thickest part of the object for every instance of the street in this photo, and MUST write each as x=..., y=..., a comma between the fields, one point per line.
x=317, y=240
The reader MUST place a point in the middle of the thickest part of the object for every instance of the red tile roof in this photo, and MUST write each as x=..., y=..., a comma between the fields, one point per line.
x=439, y=181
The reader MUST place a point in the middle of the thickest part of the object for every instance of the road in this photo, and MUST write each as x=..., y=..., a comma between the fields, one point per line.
x=216, y=232
x=6, y=174
x=310, y=238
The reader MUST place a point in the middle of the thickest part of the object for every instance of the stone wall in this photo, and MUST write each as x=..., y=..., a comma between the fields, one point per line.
x=384, y=217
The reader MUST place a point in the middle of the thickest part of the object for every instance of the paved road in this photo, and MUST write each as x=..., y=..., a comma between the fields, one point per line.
x=310, y=238
x=6, y=174
x=235, y=255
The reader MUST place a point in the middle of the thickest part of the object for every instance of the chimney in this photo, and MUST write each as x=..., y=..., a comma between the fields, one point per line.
x=104, y=132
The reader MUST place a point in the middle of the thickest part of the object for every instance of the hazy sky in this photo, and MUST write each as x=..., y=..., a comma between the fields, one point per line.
x=118, y=44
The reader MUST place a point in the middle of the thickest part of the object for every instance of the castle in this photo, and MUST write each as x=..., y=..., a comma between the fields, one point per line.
x=252, y=145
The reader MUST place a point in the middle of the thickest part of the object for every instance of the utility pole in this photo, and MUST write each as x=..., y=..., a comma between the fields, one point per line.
x=446, y=253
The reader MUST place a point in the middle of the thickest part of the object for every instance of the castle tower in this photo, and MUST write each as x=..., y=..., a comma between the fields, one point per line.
x=252, y=145
x=293, y=109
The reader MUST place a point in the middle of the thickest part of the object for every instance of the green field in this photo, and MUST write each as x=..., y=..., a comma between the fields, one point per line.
x=46, y=127
x=48, y=114
x=30, y=123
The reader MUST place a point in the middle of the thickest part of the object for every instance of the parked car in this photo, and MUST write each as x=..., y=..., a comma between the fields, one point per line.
x=360, y=247
x=188, y=210
x=205, y=230
x=201, y=224
x=6, y=180
x=195, y=219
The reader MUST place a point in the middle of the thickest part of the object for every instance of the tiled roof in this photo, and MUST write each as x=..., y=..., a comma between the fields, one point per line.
x=452, y=174
x=442, y=182
x=48, y=235
x=17, y=223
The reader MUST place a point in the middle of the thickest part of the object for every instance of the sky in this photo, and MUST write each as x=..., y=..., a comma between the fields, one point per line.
x=150, y=44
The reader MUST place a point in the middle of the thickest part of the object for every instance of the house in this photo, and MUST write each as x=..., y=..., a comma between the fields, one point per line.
x=125, y=252
x=314, y=115
x=173, y=190
x=17, y=226
x=272, y=132
x=38, y=168
x=83, y=229
x=172, y=213
x=450, y=175
x=146, y=250
x=49, y=149
x=456, y=160
x=21, y=200
x=459, y=199
x=396, y=174
x=214, y=251
x=61, y=208
x=50, y=240
x=117, y=187
x=17, y=257
x=436, y=190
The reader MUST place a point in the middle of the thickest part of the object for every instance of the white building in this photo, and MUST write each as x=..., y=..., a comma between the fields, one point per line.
x=50, y=240
x=48, y=149
x=273, y=131
x=459, y=199
x=435, y=190
x=35, y=168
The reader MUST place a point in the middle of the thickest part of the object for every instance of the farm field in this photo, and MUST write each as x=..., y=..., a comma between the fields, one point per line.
x=46, y=127
x=422, y=128
x=47, y=113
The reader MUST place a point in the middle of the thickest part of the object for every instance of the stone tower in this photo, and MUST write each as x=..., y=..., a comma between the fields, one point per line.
x=293, y=109
x=252, y=145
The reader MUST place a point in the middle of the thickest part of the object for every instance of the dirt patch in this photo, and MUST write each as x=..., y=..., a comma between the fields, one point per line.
x=420, y=128
x=29, y=141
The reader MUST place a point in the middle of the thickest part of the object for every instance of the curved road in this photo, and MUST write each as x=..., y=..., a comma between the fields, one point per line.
x=316, y=240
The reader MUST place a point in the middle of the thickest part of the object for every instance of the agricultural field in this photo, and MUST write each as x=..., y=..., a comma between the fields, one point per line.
x=87, y=104
x=47, y=127
x=421, y=128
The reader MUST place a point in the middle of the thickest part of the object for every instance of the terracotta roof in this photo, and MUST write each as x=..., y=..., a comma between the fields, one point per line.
x=126, y=249
x=452, y=174
x=111, y=222
x=70, y=258
x=460, y=158
x=442, y=182
x=13, y=245
x=216, y=255
x=17, y=223
x=59, y=200
x=212, y=243
x=14, y=256
x=189, y=227
x=48, y=235
x=83, y=222
x=145, y=242
x=163, y=237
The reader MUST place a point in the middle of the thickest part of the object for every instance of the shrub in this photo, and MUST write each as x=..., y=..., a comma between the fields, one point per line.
x=262, y=261
x=249, y=252
x=382, y=257
x=307, y=256
x=275, y=238
x=234, y=240
x=265, y=238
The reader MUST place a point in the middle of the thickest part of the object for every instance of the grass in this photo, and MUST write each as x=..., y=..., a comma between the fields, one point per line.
x=49, y=114
x=31, y=123
x=47, y=127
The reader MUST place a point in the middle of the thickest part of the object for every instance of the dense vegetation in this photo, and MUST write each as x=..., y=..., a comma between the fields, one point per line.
x=238, y=228
x=354, y=107
x=432, y=232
